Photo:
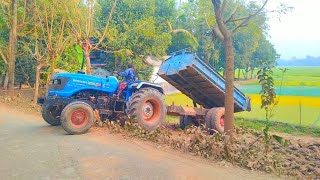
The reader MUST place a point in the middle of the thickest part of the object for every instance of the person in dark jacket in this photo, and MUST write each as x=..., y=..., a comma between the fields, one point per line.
x=129, y=78
x=128, y=75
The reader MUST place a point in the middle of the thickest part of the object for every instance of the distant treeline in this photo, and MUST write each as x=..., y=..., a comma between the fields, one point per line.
x=307, y=61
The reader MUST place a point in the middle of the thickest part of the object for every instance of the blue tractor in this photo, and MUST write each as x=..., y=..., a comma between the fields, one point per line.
x=74, y=99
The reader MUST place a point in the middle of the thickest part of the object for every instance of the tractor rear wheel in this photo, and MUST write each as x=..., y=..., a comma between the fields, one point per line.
x=186, y=121
x=77, y=117
x=147, y=107
x=51, y=114
x=215, y=119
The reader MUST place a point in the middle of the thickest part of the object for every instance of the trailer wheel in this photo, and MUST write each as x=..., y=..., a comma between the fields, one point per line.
x=50, y=114
x=77, y=117
x=147, y=107
x=186, y=121
x=215, y=119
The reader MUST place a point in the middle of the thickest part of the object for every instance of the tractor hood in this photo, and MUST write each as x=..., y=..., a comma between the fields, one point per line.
x=76, y=76
x=67, y=84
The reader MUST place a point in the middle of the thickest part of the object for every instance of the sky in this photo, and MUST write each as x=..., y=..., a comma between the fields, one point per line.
x=297, y=33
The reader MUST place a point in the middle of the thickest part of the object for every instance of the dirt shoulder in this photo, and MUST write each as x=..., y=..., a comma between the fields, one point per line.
x=32, y=149
x=299, y=159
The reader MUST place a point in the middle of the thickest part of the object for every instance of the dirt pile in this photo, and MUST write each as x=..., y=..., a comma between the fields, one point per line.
x=21, y=102
x=250, y=150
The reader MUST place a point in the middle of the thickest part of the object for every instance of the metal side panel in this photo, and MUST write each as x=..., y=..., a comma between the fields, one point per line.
x=198, y=81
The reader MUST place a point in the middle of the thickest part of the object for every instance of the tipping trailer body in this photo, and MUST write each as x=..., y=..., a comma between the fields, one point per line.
x=200, y=82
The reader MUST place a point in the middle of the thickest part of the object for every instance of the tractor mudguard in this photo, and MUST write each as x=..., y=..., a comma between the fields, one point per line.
x=139, y=85
x=143, y=84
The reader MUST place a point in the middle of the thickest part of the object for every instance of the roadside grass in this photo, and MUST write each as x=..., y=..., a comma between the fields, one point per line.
x=280, y=127
x=259, y=125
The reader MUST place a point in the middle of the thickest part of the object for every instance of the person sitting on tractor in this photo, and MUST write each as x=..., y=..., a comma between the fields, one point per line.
x=129, y=78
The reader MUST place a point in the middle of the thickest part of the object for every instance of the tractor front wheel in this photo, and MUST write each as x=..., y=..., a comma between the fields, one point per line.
x=147, y=107
x=51, y=114
x=77, y=117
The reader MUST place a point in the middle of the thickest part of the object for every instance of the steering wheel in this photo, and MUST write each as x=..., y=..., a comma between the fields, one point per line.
x=116, y=74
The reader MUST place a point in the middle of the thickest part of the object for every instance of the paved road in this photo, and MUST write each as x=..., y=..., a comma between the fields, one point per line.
x=30, y=149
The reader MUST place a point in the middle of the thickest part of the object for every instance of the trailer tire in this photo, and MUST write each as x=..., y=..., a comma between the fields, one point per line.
x=49, y=115
x=186, y=121
x=77, y=117
x=147, y=107
x=215, y=119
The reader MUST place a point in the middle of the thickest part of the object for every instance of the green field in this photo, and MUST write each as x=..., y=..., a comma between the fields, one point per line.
x=300, y=85
x=295, y=76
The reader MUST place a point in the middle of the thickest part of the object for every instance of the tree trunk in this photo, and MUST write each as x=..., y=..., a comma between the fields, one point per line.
x=252, y=69
x=53, y=59
x=88, y=62
x=12, y=45
x=5, y=81
x=36, y=86
x=246, y=73
x=229, y=101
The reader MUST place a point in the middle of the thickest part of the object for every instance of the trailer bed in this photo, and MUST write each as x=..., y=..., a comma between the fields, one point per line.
x=200, y=82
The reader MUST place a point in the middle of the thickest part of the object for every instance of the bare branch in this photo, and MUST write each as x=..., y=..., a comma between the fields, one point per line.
x=219, y=20
x=217, y=33
x=89, y=19
x=3, y=57
x=108, y=23
x=223, y=7
x=248, y=18
x=232, y=14
x=24, y=12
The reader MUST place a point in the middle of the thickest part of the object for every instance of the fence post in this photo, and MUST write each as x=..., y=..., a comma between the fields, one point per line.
x=300, y=113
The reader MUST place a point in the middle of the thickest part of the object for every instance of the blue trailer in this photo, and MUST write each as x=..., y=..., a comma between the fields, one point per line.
x=204, y=85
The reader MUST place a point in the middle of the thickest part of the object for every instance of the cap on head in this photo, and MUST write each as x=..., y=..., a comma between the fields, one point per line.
x=130, y=65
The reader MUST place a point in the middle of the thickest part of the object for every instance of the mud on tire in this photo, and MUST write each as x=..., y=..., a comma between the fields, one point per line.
x=77, y=117
x=215, y=119
x=50, y=114
x=147, y=108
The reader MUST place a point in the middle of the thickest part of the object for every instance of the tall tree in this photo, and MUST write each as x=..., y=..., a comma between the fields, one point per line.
x=6, y=21
x=245, y=44
x=265, y=55
x=49, y=38
x=84, y=26
x=139, y=28
x=226, y=26
x=12, y=45
x=4, y=36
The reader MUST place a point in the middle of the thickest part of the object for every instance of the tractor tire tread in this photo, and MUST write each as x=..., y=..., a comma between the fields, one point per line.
x=46, y=116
